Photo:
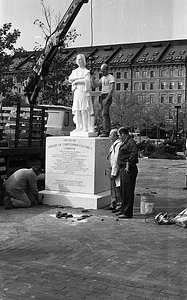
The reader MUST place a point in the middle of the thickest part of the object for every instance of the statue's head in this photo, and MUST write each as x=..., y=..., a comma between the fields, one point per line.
x=80, y=60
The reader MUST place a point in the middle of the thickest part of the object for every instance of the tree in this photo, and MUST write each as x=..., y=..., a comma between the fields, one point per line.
x=7, y=41
x=7, y=50
x=158, y=113
x=127, y=111
x=55, y=89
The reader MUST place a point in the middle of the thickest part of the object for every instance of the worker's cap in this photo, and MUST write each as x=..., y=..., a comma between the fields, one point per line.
x=123, y=130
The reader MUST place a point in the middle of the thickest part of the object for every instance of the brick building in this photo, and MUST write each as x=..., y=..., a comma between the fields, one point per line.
x=153, y=71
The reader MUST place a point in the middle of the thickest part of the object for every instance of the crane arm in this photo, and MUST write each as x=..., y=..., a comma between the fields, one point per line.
x=53, y=42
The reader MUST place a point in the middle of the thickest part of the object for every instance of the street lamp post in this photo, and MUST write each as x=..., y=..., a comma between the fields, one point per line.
x=177, y=120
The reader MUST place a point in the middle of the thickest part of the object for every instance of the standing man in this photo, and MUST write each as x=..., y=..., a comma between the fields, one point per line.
x=114, y=174
x=21, y=187
x=127, y=160
x=107, y=83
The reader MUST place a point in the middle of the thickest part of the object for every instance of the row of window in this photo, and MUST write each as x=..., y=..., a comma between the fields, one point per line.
x=150, y=86
x=151, y=73
x=171, y=85
x=171, y=98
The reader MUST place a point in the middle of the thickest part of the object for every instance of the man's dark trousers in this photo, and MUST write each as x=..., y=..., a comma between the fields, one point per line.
x=105, y=113
x=127, y=187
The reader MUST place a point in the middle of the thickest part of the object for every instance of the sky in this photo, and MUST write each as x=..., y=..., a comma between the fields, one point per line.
x=114, y=21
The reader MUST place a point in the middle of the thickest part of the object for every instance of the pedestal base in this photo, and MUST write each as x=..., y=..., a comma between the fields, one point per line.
x=83, y=134
x=76, y=200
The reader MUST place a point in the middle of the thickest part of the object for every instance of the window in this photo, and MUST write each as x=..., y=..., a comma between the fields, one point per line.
x=143, y=86
x=136, y=74
x=126, y=86
x=171, y=98
x=118, y=86
x=144, y=74
x=136, y=85
x=66, y=119
x=180, y=85
x=152, y=73
x=118, y=75
x=178, y=57
x=182, y=52
x=162, y=73
x=180, y=72
x=152, y=85
x=171, y=85
x=105, y=56
x=162, y=98
x=171, y=73
x=129, y=55
x=120, y=55
x=169, y=58
x=163, y=85
x=179, y=98
x=142, y=59
x=125, y=74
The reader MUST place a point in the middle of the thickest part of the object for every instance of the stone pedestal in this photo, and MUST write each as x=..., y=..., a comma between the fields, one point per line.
x=75, y=172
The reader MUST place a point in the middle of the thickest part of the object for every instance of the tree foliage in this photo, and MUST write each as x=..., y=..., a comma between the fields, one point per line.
x=7, y=40
x=56, y=90
x=128, y=111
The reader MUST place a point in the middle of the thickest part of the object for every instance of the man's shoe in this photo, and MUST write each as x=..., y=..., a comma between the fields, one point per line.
x=122, y=216
x=8, y=203
x=117, y=209
x=112, y=206
x=119, y=213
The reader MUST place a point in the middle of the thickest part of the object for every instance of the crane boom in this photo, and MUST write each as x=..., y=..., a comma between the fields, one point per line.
x=41, y=68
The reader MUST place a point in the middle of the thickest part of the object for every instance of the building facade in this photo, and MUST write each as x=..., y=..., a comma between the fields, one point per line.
x=153, y=72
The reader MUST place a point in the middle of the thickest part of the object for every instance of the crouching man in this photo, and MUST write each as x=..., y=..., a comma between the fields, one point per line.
x=21, y=187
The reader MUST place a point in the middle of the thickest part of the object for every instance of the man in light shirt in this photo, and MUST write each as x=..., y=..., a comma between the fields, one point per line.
x=114, y=170
x=107, y=83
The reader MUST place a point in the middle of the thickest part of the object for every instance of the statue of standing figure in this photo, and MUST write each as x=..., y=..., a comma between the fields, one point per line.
x=82, y=103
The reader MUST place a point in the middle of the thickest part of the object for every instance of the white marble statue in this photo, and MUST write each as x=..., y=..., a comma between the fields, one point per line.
x=82, y=103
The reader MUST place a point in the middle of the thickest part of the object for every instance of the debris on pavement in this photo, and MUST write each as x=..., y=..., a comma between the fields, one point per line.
x=84, y=217
x=181, y=218
x=75, y=217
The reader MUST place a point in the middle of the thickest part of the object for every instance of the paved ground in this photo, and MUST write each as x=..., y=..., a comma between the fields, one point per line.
x=42, y=257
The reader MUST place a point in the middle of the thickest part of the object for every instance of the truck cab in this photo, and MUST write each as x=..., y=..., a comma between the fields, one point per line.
x=60, y=120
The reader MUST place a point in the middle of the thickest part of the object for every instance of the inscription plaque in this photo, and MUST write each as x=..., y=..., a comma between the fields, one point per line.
x=76, y=164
